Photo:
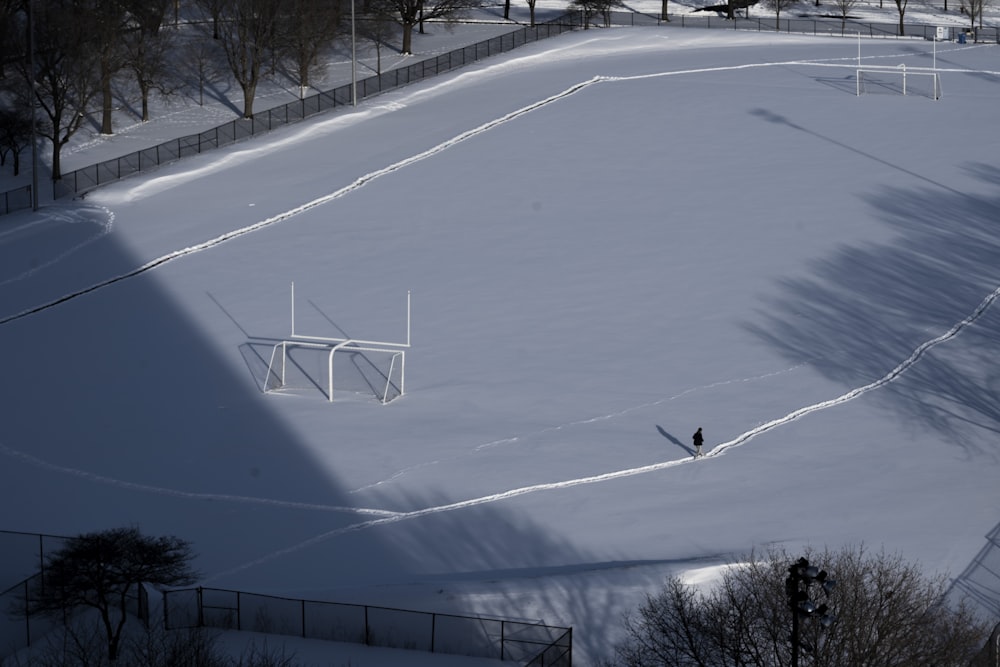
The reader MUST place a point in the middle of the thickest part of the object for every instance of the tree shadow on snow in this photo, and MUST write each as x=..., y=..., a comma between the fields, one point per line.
x=866, y=309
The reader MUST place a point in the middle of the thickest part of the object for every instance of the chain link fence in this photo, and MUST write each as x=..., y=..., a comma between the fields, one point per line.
x=15, y=200
x=21, y=571
x=532, y=644
x=829, y=26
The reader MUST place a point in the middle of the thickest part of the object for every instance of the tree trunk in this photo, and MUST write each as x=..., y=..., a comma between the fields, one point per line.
x=108, y=102
x=407, y=39
x=249, y=90
x=56, y=161
x=663, y=10
x=144, y=87
x=506, y=10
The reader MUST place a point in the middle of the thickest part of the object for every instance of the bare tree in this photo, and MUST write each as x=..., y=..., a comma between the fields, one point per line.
x=844, y=8
x=380, y=30
x=596, y=8
x=214, y=9
x=888, y=614
x=9, y=11
x=778, y=6
x=411, y=13
x=104, y=24
x=248, y=33
x=15, y=135
x=201, y=58
x=974, y=9
x=65, y=75
x=305, y=28
x=901, y=7
x=531, y=10
x=101, y=570
x=148, y=48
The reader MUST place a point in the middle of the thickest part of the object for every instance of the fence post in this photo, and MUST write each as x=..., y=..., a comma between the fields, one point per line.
x=201, y=611
x=27, y=615
x=41, y=557
x=503, y=627
x=303, y=618
x=433, y=630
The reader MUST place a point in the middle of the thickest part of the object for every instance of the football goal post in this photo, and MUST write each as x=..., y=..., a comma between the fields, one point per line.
x=899, y=80
x=359, y=365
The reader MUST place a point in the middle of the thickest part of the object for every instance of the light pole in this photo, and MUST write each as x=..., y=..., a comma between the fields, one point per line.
x=801, y=577
x=34, y=105
x=354, y=62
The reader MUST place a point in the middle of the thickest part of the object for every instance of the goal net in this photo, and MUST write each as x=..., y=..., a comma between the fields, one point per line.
x=899, y=81
x=346, y=368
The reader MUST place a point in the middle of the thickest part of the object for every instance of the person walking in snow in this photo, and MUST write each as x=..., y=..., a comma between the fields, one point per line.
x=698, y=441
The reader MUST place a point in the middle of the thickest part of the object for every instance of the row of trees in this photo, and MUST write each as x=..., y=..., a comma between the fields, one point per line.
x=71, y=60
x=883, y=612
x=880, y=610
x=971, y=8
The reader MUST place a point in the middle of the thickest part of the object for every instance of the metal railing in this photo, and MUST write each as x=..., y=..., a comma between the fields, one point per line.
x=797, y=25
x=23, y=554
x=20, y=627
x=15, y=200
x=528, y=643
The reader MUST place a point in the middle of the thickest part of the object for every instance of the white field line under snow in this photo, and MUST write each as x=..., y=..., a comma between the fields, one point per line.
x=159, y=490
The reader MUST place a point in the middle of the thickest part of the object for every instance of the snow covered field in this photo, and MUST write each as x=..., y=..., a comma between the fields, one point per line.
x=611, y=238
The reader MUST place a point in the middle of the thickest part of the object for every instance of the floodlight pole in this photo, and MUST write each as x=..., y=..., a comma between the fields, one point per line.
x=354, y=62
x=34, y=107
x=801, y=576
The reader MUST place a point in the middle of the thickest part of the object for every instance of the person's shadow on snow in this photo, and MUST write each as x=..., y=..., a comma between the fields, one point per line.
x=689, y=450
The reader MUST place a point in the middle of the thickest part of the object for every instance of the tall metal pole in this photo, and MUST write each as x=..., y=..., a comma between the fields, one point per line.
x=34, y=106
x=354, y=62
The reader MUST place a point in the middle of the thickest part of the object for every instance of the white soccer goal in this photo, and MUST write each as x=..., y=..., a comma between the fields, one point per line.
x=359, y=366
x=899, y=80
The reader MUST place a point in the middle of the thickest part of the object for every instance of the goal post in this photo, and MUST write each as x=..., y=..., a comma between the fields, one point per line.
x=895, y=80
x=378, y=367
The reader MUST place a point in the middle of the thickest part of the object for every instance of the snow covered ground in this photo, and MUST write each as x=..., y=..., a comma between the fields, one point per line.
x=611, y=238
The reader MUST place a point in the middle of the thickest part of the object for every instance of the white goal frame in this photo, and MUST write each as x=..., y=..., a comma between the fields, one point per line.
x=901, y=70
x=397, y=352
